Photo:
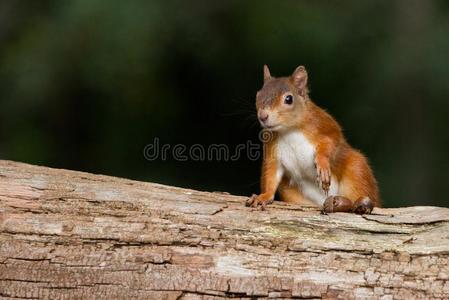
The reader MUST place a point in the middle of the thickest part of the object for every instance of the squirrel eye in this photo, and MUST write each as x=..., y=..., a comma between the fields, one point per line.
x=288, y=99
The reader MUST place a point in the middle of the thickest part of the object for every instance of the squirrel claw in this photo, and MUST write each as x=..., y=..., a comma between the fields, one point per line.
x=255, y=201
x=251, y=200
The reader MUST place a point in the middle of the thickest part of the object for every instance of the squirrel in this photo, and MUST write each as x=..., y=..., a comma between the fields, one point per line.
x=306, y=157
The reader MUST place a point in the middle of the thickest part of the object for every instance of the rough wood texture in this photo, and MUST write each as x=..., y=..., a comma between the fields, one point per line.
x=67, y=234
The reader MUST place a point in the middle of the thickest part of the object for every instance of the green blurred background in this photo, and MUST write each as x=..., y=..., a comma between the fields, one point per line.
x=86, y=84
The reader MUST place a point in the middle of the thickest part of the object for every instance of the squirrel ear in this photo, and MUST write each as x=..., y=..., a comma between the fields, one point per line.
x=266, y=73
x=299, y=78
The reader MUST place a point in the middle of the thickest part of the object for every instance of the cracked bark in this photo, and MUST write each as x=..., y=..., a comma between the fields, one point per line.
x=67, y=234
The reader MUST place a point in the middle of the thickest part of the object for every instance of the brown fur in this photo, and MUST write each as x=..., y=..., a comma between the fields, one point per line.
x=333, y=154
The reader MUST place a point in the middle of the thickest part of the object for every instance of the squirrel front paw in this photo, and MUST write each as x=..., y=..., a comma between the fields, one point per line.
x=324, y=174
x=256, y=200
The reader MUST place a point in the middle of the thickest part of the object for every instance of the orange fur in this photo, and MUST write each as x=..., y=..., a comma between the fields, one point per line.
x=333, y=155
x=269, y=181
x=291, y=193
x=347, y=164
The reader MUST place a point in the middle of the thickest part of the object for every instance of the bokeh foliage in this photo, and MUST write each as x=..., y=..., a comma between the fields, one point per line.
x=86, y=84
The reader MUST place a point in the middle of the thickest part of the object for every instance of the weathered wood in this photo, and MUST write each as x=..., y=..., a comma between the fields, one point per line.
x=67, y=234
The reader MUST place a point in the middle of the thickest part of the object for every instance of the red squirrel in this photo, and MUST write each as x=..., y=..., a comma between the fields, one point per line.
x=307, y=159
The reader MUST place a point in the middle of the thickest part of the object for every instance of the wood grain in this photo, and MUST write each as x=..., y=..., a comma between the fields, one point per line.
x=74, y=235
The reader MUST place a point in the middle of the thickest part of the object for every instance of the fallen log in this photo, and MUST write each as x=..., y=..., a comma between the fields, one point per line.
x=67, y=234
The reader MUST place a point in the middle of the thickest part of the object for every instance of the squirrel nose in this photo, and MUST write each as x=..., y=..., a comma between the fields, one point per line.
x=263, y=116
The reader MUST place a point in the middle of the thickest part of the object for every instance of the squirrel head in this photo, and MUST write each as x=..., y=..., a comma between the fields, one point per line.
x=281, y=101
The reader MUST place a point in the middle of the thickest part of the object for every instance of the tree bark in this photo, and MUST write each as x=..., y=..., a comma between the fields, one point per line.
x=67, y=234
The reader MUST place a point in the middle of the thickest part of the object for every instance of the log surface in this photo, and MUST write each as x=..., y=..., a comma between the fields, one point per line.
x=67, y=234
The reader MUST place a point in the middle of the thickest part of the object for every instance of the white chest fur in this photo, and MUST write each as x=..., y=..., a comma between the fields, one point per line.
x=296, y=156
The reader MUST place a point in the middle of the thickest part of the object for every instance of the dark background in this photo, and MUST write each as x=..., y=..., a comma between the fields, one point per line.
x=86, y=84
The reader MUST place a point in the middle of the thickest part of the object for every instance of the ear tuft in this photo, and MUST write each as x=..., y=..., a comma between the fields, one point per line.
x=266, y=73
x=299, y=79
